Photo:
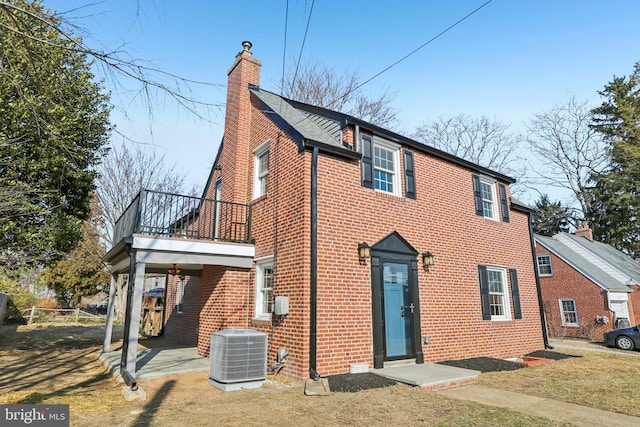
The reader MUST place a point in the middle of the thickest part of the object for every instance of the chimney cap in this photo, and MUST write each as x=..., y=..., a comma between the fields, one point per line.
x=246, y=45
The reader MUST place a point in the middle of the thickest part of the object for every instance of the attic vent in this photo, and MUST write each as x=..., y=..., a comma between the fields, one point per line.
x=238, y=359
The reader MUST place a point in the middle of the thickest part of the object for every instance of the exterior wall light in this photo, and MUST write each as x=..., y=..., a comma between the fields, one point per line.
x=428, y=259
x=364, y=251
x=173, y=271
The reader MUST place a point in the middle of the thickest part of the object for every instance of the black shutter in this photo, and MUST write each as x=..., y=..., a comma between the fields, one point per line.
x=409, y=175
x=484, y=292
x=515, y=294
x=367, y=162
x=477, y=194
x=504, y=206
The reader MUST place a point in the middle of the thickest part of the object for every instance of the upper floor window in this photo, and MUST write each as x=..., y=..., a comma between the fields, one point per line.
x=261, y=171
x=384, y=168
x=381, y=165
x=486, y=199
x=544, y=265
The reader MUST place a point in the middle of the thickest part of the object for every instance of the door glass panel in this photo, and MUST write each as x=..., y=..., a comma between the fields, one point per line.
x=398, y=309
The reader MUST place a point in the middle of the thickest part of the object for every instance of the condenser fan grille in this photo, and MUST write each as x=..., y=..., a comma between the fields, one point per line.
x=238, y=355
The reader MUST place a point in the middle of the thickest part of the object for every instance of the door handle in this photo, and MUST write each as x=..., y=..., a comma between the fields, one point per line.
x=402, y=311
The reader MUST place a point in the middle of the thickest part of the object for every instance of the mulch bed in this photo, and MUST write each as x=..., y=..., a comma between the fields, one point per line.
x=551, y=355
x=484, y=364
x=351, y=383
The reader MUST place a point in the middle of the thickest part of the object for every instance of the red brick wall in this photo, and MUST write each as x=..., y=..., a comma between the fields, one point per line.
x=224, y=302
x=443, y=221
x=591, y=300
x=183, y=327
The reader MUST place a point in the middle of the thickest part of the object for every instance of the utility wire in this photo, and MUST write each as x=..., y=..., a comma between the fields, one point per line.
x=304, y=39
x=284, y=49
x=446, y=30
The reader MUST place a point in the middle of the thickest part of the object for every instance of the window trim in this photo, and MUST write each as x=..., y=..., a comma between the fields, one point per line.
x=562, y=312
x=506, y=306
x=262, y=264
x=395, y=150
x=540, y=273
x=257, y=177
x=491, y=183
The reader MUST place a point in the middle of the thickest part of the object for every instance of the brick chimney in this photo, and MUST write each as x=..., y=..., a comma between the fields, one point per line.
x=244, y=71
x=585, y=231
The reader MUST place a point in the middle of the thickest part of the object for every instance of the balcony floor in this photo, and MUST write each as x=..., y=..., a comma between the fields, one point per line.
x=160, y=253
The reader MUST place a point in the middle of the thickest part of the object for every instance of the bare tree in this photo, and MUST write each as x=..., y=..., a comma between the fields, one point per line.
x=318, y=84
x=484, y=141
x=116, y=64
x=569, y=148
x=127, y=170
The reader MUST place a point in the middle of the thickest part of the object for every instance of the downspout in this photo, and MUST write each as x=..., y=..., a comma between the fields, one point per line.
x=543, y=320
x=313, y=373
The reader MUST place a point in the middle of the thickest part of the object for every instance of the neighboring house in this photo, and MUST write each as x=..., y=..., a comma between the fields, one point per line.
x=384, y=248
x=588, y=287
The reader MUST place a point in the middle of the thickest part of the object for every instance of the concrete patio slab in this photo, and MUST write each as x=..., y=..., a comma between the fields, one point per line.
x=429, y=376
x=159, y=362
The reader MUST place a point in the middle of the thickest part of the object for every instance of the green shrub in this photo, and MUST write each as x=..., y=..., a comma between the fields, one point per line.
x=20, y=298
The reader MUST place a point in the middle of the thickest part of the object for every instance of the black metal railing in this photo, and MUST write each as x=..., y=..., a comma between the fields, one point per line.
x=155, y=213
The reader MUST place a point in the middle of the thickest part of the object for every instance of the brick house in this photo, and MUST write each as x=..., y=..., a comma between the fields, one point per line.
x=588, y=287
x=385, y=249
x=320, y=183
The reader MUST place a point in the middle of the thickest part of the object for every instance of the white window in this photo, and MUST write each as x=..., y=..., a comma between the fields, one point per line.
x=488, y=193
x=498, y=295
x=568, y=312
x=261, y=170
x=386, y=164
x=264, y=288
x=544, y=265
x=180, y=296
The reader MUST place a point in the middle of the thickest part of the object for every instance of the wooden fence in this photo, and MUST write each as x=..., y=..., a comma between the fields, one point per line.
x=41, y=314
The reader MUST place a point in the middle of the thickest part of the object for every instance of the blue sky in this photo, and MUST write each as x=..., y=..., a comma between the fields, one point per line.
x=511, y=59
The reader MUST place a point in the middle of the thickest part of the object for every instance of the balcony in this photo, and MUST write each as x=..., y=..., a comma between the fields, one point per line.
x=153, y=213
x=168, y=229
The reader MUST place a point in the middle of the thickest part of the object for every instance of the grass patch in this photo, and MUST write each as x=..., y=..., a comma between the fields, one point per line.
x=599, y=380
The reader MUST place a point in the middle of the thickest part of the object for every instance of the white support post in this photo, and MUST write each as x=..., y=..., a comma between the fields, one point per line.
x=110, y=313
x=134, y=324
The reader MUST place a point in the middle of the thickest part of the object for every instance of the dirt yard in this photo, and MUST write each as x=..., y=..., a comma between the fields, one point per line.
x=40, y=364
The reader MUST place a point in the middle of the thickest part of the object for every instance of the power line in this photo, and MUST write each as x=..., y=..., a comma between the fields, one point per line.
x=446, y=30
x=304, y=39
x=284, y=49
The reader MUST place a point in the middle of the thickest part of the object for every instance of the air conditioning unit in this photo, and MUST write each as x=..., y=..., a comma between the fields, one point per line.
x=238, y=359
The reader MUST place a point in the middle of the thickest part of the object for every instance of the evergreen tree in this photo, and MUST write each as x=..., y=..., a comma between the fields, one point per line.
x=53, y=130
x=550, y=218
x=616, y=194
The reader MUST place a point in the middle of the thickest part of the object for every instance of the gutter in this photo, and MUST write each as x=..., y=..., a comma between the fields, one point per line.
x=313, y=312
